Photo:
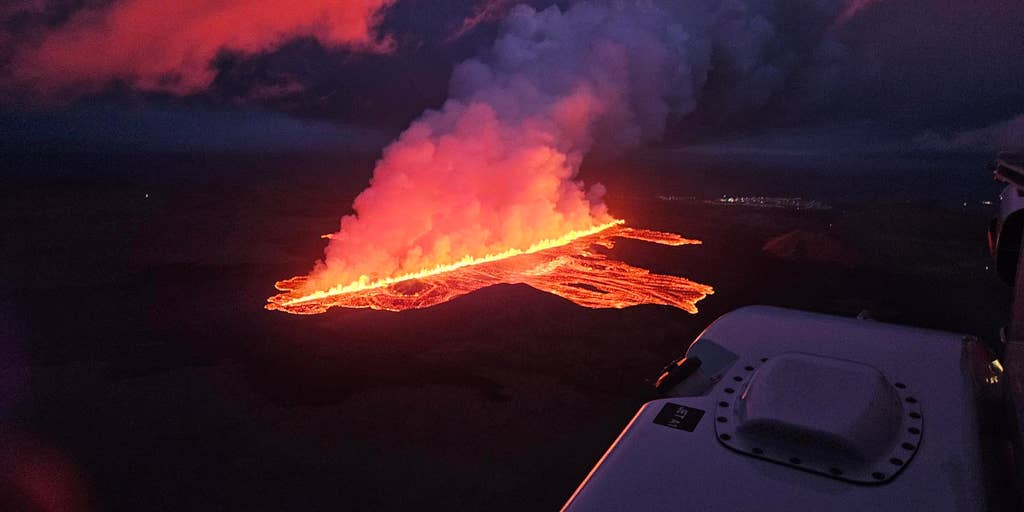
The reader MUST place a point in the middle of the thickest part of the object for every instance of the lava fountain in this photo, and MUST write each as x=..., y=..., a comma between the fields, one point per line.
x=567, y=267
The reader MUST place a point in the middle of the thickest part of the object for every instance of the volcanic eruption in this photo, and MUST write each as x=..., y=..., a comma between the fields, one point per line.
x=566, y=267
x=485, y=189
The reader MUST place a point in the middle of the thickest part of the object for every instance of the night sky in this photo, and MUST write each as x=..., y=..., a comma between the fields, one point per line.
x=863, y=74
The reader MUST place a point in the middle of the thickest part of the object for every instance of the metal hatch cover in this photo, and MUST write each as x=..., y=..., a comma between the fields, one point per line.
x=839, y=418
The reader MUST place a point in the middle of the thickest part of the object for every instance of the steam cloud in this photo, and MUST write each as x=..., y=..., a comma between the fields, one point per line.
x=496, y=167
x=167, y=46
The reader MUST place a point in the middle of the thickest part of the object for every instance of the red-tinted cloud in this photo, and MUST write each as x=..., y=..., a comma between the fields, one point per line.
x=169, y=46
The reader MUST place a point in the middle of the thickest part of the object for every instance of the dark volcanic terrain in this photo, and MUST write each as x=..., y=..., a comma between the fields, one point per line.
x=138, y=357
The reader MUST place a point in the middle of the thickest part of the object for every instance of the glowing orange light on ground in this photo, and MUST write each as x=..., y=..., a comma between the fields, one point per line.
x=565, y=266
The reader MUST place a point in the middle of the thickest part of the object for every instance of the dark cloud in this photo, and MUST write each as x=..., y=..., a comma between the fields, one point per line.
x=937, y=63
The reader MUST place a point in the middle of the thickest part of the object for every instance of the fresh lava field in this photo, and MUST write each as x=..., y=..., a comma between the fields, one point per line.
x=141, y=366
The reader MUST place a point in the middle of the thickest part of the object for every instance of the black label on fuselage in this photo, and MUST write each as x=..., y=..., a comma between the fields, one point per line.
x=679, y=416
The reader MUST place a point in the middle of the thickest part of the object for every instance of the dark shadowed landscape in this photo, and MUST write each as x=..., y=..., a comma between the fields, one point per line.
x=141, y=367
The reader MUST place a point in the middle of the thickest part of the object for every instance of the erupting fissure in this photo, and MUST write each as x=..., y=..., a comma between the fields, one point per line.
x=565, y=266
x=365, y=283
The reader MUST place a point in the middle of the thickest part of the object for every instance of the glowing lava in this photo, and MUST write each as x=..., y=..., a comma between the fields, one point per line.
x=565, y=266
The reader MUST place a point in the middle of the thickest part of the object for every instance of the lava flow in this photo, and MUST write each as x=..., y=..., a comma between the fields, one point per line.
x=566, y=267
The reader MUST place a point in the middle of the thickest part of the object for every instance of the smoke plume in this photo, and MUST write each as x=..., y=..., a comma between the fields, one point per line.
x=495, y=168
x=167, y=46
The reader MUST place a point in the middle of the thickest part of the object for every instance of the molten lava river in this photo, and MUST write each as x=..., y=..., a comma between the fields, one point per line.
x=567, y=267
